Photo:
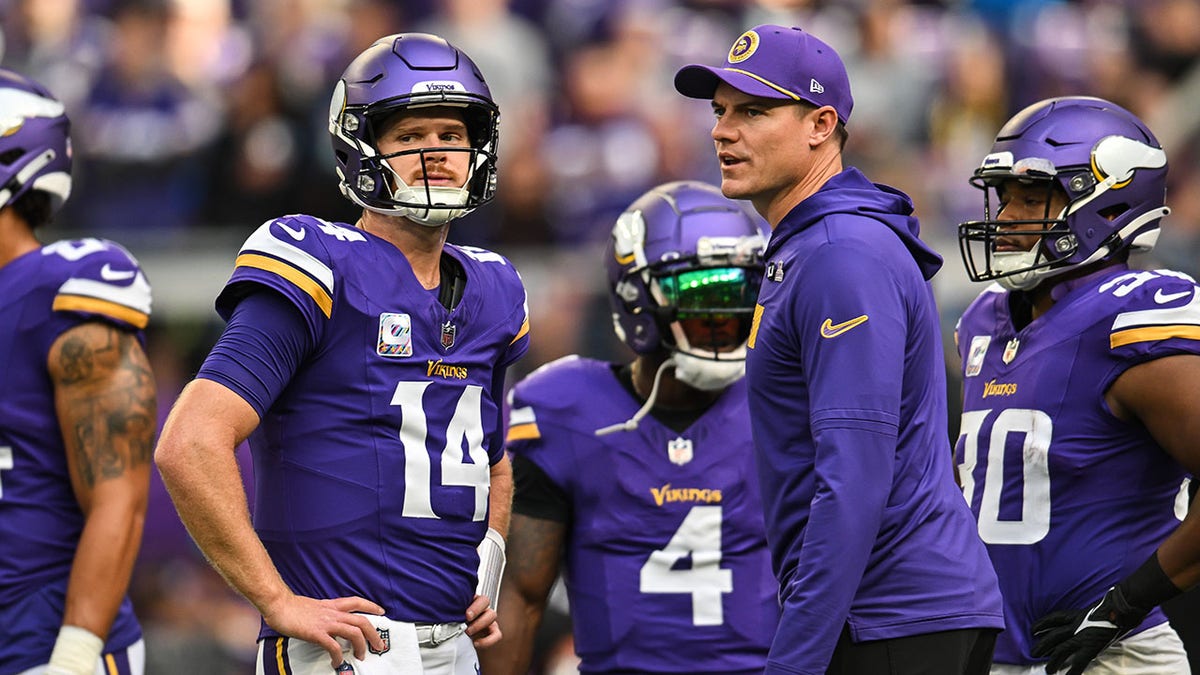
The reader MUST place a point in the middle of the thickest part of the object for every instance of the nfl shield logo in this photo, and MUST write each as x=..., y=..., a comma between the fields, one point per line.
x=679, y=451
x=386, y=635
x=448, y=331
x=1010, y=350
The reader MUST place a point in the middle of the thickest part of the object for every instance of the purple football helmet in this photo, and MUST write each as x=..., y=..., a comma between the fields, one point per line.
x=411, y=70
x=684, y=268
x=1111, y=168
x=35, y=144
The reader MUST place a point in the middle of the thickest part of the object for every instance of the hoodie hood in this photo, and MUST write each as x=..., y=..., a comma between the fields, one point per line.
x=851, y=193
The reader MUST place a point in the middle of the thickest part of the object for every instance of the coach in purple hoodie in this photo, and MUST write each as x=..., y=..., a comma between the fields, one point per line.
x=880, y=568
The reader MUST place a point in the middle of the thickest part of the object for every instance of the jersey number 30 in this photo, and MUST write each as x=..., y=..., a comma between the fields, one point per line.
x=1036, y=428
x=699, y=535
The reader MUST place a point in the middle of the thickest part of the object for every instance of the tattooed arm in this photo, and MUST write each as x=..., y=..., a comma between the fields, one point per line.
x=535, y=547
x=104, y=396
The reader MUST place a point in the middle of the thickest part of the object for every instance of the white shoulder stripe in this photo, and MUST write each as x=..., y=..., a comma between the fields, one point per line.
x=522, y=416
x=1188, y=314
x=135, y=296
x=264, y=242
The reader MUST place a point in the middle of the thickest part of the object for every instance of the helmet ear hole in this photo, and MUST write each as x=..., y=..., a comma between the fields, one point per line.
x=1113, y=212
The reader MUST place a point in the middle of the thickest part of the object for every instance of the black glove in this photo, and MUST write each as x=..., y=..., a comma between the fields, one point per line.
x=1073, y=638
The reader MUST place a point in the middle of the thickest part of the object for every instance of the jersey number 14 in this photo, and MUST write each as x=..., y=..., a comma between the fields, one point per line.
x=465, y=428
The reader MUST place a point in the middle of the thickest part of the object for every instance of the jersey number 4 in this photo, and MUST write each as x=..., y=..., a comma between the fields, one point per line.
x=700, y=536
x=465, y=428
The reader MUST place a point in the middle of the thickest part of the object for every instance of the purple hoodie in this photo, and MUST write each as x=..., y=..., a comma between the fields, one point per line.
x=847, y=390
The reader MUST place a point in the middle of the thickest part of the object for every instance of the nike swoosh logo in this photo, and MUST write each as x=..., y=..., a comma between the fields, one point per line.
x=294, y=234
x=1088, y=623
x=1163, y=298
x=831, y=330
x=109, y=274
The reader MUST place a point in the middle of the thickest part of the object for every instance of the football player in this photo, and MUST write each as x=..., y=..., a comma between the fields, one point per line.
x=77, y=414
x=639, y=476
x=365, y=363
x=1080, y=409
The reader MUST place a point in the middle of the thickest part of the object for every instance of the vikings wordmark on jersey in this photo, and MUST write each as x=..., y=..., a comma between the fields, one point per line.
x=1039, y=449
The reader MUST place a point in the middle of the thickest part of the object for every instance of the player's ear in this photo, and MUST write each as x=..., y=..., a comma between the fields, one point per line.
x=825, y=122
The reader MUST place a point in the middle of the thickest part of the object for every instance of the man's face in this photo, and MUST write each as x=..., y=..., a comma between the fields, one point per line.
x=759, y=146
x=428, y=128
x=1026, y=200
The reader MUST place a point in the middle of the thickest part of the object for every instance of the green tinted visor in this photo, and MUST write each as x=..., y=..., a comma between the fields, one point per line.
x=718, y=291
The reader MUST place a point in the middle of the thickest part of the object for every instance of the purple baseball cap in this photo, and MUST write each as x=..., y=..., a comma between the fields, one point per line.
x=780, y=62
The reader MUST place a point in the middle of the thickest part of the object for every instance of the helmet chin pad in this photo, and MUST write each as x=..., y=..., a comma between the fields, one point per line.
x=445, y=203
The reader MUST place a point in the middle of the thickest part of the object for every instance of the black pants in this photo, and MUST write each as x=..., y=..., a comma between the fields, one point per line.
x=952, y=652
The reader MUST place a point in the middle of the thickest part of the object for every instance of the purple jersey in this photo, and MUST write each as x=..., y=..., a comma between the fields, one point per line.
x=1069, y=499
x=43, y=294
x=667, y=568
x=372, y=465
x=848, y=403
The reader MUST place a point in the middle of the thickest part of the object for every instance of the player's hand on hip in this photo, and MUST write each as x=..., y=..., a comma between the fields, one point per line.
x=481, y=622
x=321, y=622
x=1073, y=638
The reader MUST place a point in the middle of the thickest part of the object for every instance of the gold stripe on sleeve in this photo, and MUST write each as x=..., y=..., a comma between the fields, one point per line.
x=1153, y=333
x=83, y=303
x=523, y=432
x=298, y=278
x=521, y=333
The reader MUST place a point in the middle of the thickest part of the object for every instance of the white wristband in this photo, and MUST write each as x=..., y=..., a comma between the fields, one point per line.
x=76, y=652
x=491, y=566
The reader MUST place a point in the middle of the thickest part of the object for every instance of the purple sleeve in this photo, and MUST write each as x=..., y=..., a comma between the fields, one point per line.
x=855, y=371
x=259, y=351
x=496, y=443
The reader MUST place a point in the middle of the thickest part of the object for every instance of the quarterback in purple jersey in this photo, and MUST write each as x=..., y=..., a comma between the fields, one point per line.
x=1080, y=415
x=365, y=364
x=879, y=566
x=77, y=414
x=657, y=521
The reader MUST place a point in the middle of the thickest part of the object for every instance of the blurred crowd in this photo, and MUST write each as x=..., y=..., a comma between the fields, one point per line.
x=196, y=120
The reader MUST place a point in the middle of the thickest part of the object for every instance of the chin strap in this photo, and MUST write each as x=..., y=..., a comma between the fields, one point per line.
x=632, y=423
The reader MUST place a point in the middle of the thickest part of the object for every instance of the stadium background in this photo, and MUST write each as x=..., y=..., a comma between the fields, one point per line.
x=196, y=120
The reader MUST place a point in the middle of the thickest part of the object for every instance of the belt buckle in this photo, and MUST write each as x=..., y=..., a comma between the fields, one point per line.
x=442, y=632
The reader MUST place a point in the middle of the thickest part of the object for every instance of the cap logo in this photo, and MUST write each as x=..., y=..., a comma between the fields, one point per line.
x=815, y=87
x=744, y=47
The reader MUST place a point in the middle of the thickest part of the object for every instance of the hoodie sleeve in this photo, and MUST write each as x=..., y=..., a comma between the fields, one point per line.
x=851, y=331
